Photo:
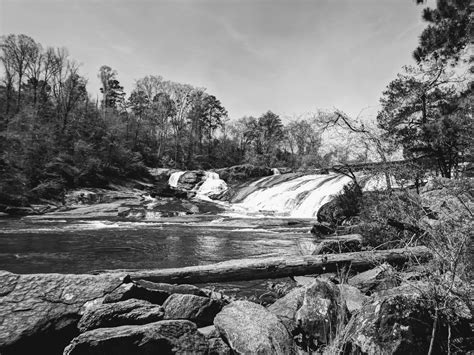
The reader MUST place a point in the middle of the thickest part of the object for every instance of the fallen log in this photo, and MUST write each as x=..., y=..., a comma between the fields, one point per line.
x=276, y=267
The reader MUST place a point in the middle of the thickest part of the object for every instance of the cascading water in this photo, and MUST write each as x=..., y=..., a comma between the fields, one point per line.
x=212, y=184
x=300, y=196
x=174, y=178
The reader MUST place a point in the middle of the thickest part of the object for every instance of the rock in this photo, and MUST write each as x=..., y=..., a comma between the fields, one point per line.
x=167, y=191
x=399, y=321
x=331, y=213
x=311, y=313
x=131, y=290
x=163, y=337
x=209, y=332
x=19, y=211
x=379, y=278
x=239, y=173
x=286, y=307
x=200, y=310
x=249, y=328
x=340, y=244
x=129, y=312
x=303, y=280
x=353, y=298
x=320, y=229
x=170, y=288
x=41, y=311
x=317, y=318
x=190, y=179
x=217, y=346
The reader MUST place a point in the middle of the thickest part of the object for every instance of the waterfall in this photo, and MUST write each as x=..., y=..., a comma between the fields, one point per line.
x=174, y=178
x=212, y=185
x=276, y=171
x=295, y=196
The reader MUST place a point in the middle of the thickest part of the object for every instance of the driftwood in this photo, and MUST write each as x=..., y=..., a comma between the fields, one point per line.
x=276, y=267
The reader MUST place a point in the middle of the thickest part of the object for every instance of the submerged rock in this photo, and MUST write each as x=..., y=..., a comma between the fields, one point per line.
x=200, y=310
x=41, y=311
x=249, y=328
x=163, y=337
x=130, y=312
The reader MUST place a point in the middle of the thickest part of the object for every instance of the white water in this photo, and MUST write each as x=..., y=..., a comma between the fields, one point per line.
x=299, y=197
x=174, y=178
x=276, y=171
x=212, y=184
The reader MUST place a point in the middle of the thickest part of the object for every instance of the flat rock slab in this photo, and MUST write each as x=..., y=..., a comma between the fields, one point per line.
x=250, y=329
x=129, y=312
x=163, y=337
x=43, y=309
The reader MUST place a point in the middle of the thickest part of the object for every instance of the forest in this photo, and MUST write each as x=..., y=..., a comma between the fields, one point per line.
x=55, y=135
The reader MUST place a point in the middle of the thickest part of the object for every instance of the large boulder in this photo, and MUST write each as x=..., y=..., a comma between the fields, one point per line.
x=190, y=179
x=311, y=313
x=200, y=310
x=41, y=311
x=163, y=337
x=400, y=321
x=250, y=329
x=130, y=312
x=380, y=278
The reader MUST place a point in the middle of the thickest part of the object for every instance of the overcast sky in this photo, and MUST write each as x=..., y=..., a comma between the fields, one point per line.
x=290, y=56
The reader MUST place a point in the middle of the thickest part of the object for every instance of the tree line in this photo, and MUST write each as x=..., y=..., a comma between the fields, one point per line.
x=55, y=135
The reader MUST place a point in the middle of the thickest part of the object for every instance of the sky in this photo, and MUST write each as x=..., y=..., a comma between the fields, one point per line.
x=291, y=57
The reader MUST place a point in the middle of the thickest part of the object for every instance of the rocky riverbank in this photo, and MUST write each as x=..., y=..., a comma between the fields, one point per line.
x=379, y=311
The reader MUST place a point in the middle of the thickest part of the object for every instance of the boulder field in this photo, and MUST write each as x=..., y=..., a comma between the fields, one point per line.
x=375, y=312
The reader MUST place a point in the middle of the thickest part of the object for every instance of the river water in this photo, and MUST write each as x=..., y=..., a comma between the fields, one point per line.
x=271, y=216
x=78, y=246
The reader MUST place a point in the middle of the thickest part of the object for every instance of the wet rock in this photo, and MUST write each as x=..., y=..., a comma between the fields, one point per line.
x=163, y=337
x=200, y=310
x=340, y=244
x=239, y=173
x=353, y=298
x=400, y=321
x=320, y=229
x=379, y=278
x=41, y=311
x=130, y=312
x=249, y=328
x=131, y=290
x=19, y=211
x=190, y=179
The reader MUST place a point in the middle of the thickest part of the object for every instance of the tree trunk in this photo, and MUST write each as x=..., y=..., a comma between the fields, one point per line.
x=277, y=267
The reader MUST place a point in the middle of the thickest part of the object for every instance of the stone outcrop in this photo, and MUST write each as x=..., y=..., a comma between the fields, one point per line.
x=200, y=310
x=249, y=328
x=400, y=321
x=130, y=312
x=41, y=311
x=163, y=337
